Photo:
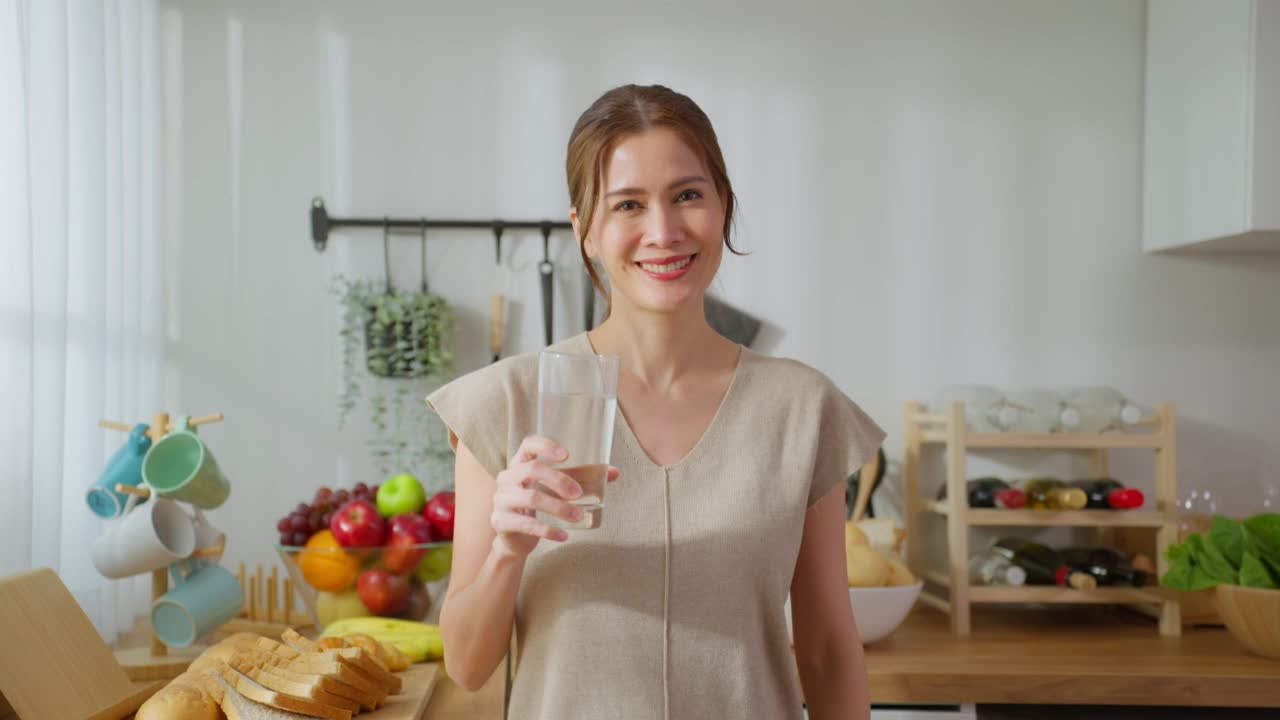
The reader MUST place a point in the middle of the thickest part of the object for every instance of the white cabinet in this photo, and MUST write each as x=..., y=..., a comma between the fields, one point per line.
x=1211, y=176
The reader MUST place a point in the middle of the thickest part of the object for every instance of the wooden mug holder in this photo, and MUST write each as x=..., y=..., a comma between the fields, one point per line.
x=158, y=661
x=268, y=606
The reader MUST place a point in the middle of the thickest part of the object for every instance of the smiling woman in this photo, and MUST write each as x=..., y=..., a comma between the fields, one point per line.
x=729, y=466
x=611, y=139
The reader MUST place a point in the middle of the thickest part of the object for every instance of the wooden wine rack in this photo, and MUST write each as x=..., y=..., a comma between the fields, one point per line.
x=949, y=432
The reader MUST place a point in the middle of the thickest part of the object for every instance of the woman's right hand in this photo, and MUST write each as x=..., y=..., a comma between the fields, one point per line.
x=528, y=485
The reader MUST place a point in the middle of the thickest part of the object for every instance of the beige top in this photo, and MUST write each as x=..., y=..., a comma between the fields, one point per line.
x=674, y=607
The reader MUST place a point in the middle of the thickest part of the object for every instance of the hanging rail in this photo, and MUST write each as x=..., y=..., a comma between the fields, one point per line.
x=322, y=223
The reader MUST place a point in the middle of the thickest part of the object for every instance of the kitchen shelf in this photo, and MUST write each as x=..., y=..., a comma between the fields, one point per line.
x=1051, y=441
x=1054, y=518
x=957, y=594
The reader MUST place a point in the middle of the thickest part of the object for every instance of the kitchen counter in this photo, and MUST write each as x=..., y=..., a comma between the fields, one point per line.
x=1060, y=656
x=1066, y=656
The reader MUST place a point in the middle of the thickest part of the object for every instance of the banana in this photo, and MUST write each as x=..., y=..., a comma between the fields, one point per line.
x=419, y=641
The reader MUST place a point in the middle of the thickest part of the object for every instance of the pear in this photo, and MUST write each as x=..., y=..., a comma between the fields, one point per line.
x=866, y=566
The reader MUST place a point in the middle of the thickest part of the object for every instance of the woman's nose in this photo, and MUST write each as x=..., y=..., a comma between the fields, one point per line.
x=664, y=227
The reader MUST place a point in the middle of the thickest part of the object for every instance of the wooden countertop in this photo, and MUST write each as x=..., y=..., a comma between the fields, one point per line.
x=1059, y=656
x=1068, y=656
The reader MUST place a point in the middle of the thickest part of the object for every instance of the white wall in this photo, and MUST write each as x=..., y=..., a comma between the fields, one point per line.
x=933, y=192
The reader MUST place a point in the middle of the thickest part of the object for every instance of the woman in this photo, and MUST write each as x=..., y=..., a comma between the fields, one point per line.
x=732, y=464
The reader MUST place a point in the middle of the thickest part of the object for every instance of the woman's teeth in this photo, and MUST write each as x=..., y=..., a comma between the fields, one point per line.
x=669, y=267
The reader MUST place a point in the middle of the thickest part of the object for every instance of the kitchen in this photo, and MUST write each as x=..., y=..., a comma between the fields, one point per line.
x=932, y=194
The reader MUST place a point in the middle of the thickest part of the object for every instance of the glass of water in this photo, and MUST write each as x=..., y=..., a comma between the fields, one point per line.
x=577, y=401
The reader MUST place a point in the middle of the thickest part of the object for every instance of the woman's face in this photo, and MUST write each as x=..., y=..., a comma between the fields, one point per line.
x=658, y=227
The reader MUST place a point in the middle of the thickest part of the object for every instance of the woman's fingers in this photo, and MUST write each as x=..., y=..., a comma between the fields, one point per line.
x=529, y=500
x=508, y=522
x=540, y=448
x=613, y=473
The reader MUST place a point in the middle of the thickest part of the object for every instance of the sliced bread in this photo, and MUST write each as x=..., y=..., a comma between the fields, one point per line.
x=308, y=689
x=249, y=688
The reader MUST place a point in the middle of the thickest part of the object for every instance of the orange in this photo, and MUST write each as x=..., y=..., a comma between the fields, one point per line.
x=325, y=565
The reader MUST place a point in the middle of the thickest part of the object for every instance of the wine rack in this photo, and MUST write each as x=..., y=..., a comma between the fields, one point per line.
x=925, y=431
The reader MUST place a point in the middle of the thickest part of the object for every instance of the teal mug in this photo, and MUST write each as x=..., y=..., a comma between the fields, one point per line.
x=180, y=466
x=204, y=597
x=124, y=468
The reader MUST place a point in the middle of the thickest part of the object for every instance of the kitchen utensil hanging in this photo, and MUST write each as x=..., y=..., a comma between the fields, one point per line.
x=588, y=300
x=497, y=302
x=404, y=335
x=546, y=269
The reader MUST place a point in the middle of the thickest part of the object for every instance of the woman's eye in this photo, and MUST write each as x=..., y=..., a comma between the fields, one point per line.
x=626, y=205
x=688, y=195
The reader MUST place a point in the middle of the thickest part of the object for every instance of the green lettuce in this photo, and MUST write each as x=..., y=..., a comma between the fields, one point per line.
x=1235, y=553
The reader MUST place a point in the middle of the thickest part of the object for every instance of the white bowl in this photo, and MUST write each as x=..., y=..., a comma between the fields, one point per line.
x=877, y=610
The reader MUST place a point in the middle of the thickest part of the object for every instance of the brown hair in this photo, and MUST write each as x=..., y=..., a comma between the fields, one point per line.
x=627, y=110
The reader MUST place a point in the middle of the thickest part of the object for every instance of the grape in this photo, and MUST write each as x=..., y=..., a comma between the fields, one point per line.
x=285, y=524
x=302, y=508
x=300, y=538
x=297, y=522
x=373, y=491
x=323, y=493
x=360, y=488
x=342, y=496
x=286, y=538
x=326, y=519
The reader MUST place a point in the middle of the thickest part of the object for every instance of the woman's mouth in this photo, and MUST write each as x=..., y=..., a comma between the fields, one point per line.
x=667, y=268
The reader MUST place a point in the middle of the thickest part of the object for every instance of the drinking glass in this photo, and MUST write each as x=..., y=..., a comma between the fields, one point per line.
x=577, y=402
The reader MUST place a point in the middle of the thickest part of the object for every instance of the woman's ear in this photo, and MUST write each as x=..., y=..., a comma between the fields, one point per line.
x=587, y=245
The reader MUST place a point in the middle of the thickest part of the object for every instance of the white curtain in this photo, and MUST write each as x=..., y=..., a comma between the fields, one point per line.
x=81, y=315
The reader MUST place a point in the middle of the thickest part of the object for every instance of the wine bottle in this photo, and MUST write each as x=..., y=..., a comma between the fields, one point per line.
x=1042, y=565
x=991, y=568
x=990, y=492
x=1106, y=493
x=1107, y=565
x=1052, y=494
x=1037, y=411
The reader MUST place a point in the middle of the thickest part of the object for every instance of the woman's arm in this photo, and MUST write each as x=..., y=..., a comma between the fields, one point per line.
x=479, y=606
x=833, y=671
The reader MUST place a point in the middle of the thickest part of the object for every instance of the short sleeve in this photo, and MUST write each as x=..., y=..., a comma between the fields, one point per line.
x=847, y=438
x=476, y=408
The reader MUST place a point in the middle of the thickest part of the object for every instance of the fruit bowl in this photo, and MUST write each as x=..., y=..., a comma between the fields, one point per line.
x=400, y=581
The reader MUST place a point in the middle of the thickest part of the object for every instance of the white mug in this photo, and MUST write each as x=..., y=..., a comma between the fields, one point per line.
x=146, y=538
x=208, y=537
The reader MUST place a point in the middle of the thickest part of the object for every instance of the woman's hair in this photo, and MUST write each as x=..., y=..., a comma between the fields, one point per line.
x=628, y=110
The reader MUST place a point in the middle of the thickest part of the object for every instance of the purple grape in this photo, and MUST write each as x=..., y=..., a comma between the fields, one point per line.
x=302, y=508
x=285, y=524
x=300, y=538
x=297, y=522
x=286, y=538
x=360, y=488
x=326, y=519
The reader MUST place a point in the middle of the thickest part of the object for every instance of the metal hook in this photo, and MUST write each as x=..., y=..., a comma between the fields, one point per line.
x=497, y=242
x=546, y=241
x=386, y=253
x=424, y=256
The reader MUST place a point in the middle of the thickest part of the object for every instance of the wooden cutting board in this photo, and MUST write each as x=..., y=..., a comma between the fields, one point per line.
x=411, y=702
x=53, y=663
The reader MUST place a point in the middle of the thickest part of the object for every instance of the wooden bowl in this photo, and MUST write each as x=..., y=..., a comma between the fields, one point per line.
x=1252, y=616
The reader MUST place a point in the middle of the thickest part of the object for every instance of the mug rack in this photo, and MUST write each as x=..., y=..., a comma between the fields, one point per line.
x=158, y=661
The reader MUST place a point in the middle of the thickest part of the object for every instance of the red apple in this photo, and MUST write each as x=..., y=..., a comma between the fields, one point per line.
x=440, y=512
x=407, y=530
x=358, y=524
x=419, y=602
x=384, y=593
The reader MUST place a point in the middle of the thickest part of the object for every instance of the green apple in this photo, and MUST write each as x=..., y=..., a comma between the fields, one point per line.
x=332, y=606
x=435, y=564
x=401, y=494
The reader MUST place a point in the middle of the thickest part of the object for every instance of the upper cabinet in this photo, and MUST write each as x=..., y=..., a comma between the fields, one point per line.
x=1211, y=176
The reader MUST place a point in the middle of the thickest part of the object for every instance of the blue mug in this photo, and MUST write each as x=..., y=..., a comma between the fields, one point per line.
x=204, y=597
x=124, y=468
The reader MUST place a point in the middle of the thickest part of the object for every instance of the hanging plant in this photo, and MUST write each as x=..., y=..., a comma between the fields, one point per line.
x=405, y=337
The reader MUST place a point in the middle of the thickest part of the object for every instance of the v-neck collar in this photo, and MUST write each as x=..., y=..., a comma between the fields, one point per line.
x=629, y=435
